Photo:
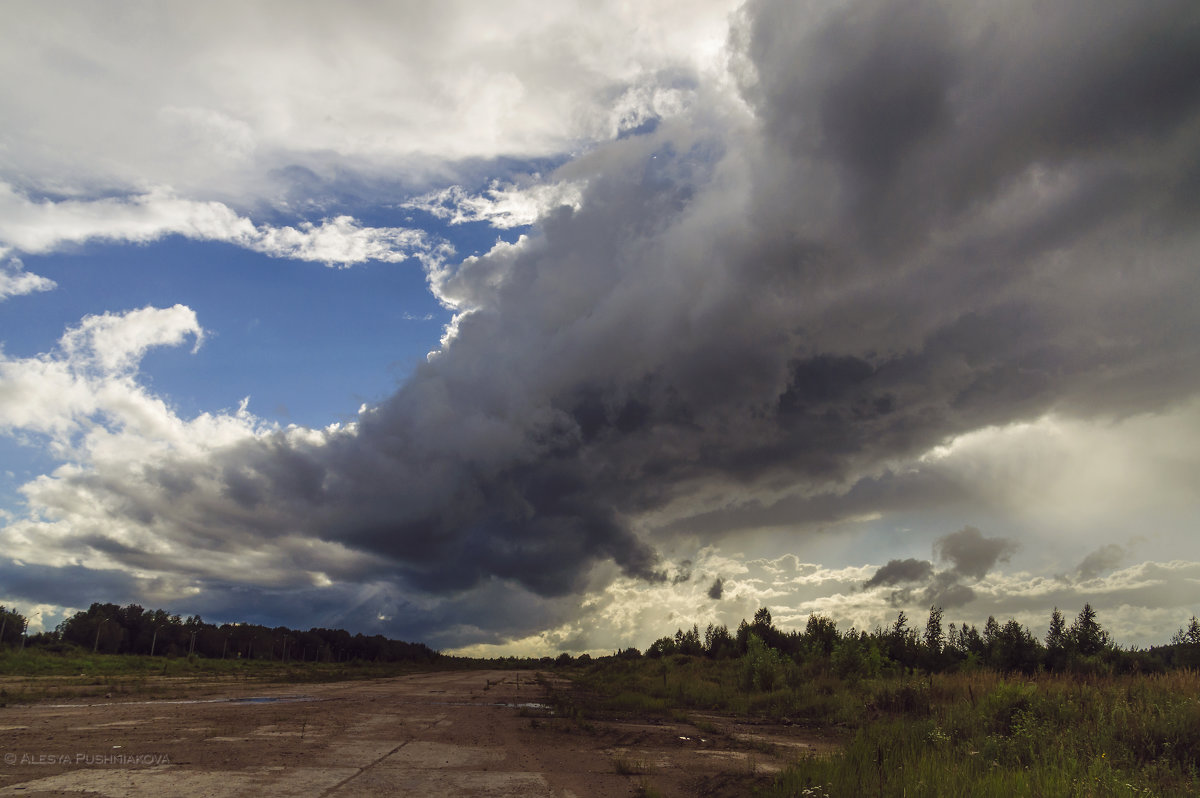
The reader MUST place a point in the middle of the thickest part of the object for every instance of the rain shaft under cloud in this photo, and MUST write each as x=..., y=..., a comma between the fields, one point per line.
x=914, y=221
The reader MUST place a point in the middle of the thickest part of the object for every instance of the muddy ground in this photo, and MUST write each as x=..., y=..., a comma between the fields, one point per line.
x=460, y=733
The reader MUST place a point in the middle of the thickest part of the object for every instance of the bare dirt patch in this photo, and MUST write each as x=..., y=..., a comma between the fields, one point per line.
x=468, y=733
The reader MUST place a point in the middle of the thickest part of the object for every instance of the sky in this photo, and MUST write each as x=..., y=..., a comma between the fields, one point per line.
x=520, y=328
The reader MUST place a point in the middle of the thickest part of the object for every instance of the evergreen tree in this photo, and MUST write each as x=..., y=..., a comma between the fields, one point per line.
x=901, y=642
x=991, y=639
x=689, y=642
x=762, y=619
x=1187, y=646
x=1016, y=649
x=1058, y=641
x=933, y=631
x=718, y=643
x=764, y=628
x=1181, y=638
x=1056, y=638
x=742, y=638
x=991, y=632
x=1087, y=638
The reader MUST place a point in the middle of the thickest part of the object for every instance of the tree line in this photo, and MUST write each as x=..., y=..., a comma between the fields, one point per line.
x=112, y=629
x=1082, y=646
x=12, y=627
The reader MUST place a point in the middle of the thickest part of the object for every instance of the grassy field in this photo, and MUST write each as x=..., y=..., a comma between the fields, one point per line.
x=38, y=676
x=978, y=733
x=974, y=732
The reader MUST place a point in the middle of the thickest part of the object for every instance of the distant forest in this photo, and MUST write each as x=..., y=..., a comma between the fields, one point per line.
x=111, y=629
x=1084, y=646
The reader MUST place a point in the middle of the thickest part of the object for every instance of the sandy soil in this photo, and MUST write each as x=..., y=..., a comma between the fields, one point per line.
x=474, y=733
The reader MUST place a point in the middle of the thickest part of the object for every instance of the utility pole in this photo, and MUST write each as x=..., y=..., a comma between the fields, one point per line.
x=99, y=626
x=153, y=641
x=192, y=645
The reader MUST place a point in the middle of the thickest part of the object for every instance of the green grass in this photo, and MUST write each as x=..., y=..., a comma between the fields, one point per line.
x=664, y=687
x=974, y=733
x=983, y=735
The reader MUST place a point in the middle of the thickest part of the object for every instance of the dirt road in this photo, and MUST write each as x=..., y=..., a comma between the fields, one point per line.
x=472, y=733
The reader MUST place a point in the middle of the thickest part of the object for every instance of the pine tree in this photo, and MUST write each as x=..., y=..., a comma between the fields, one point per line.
x=1056, y=638
x=952, y=639
x=933, y=630
x=1086, y=635
x=1058, y=643
x=1189, y=637
x=762, y=618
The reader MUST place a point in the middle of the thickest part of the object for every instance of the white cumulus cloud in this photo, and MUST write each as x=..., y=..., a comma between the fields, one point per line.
x=15, y=281
x=502, y=205
x=39, y=227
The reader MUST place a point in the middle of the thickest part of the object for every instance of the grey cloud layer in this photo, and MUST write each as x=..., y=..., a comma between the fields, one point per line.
x=899, y=572
x=939, y=219
x=970, y=555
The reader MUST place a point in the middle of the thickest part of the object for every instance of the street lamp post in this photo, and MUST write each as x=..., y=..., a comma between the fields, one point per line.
x=99, y=626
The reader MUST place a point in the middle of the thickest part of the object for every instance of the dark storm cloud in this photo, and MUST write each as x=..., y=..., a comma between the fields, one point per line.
x=683, y=573
x=949, y=596
x=898, y=572
x=72, y=585
x=972, y=554
x=944, y=217
x=891, y=491
x=493, y=613
x=944, y=591
x=925, y=108
x=1102, y=559
x=653, y=342
x=717, y=589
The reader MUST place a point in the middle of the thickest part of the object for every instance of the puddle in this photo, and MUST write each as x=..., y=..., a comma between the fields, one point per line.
x=524, y=705
x=283, y=699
